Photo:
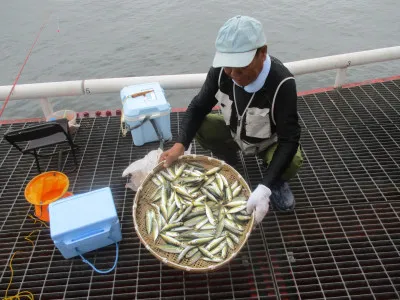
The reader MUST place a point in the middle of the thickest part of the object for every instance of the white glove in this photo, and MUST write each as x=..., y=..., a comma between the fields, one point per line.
x=259, y=201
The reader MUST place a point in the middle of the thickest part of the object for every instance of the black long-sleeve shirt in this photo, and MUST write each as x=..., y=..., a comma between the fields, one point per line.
x=285, y=112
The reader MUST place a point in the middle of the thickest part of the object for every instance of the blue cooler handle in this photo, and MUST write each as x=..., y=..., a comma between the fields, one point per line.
x=101, y=233
x=91, y=235
x=147, y=118
x=97, y=270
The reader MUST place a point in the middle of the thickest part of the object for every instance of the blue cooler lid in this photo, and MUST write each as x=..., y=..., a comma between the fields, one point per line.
x=80, y=211
x=153, y=102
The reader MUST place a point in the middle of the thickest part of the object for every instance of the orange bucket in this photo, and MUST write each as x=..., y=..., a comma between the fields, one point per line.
x=44, y=189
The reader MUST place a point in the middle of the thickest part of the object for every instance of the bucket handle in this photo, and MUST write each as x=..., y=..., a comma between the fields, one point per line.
x=97, y=270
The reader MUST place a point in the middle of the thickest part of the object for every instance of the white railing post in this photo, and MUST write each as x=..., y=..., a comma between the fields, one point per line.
x=341, y=77
x=47, y=108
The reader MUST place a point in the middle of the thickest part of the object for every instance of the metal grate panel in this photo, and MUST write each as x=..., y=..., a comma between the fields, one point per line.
x=342, y=241
x=344, y=251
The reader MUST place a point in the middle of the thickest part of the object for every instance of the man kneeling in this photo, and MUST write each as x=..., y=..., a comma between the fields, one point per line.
x=258, y=100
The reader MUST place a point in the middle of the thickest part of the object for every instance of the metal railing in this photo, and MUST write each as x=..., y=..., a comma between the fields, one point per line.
x=190, y=81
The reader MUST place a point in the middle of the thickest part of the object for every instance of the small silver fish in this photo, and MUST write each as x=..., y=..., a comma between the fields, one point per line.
x=174, y=234
x=194, y=173
x=237, y=191
x=171, y=209
x=157, y=197
x=242, y=217
x=171, y=199
x=194, y=221
x=156, y=182
x=224, y=251
x=234, y=185
x=209, y=180
x=208, y=194
x=181, y=190
x=210, y=215
x=230, y=243
x=228, y=193
x=154, y=231
x=219, y=248
x=191, y=179
x=170, y=248
x=164, y=211
x=156, y=191
x=181, y=228
x=202, y=223
x=231, y=228
x=235, y=203
x=220, y=182
x=215, y=259
x=197, y=166
x=192, y=252
x=233, y=237
x=161, y=179
x=213, y=170
x=180, y=170
x=226, y=184
x=236, y=209
x=200, y=241
x=215, y=242
x=208, y=226
x=183, y=253
x=207, y=253
x=195, y=258
x=185, y=212
x=194, y=189
x=172, y=225
x=167, y=175
x=220, y=228
x=171, y=240
x=149, y=220
x=174, y=217
x=171, y=173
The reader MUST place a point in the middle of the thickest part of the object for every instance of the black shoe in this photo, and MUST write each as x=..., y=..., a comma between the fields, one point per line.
x=282, y=197
x=230, y=158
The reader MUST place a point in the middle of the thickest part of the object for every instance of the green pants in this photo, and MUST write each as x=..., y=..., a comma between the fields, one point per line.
x=214, y=135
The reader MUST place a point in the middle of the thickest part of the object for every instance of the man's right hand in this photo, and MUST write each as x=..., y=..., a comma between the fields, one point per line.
x=172, y=154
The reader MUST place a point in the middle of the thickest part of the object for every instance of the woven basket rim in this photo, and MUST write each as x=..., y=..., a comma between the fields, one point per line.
x=212, y=267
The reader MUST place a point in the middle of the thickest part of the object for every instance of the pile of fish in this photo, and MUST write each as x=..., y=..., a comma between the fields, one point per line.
x=197, y=212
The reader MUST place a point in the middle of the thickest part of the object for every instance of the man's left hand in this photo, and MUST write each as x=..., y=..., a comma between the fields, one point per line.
x=259, y=201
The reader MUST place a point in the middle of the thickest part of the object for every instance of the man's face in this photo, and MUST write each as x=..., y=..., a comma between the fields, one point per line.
x=246, y=75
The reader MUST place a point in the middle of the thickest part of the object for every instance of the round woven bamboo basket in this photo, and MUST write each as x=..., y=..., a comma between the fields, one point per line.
x=142, y=204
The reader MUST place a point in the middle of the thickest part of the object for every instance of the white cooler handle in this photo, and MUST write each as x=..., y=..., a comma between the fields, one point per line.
x=97, y=270
x=90, y=235
x=153, y=123
x=104, y=231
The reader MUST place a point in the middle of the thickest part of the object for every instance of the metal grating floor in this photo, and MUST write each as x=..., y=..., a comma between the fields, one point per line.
x=342, y=241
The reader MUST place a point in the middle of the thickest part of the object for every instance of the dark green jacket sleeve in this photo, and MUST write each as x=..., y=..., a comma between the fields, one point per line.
x=200, y=106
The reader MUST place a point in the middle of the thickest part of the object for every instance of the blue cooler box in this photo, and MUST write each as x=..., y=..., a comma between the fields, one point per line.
x=84, y=222
x=152, y=105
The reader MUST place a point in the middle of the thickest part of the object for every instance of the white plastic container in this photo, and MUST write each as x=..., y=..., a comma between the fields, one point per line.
x=146, y=100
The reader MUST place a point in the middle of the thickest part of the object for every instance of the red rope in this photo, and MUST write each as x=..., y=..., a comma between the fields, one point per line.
x=20, y=71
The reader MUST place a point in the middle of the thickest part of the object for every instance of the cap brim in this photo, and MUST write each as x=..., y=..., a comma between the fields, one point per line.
x=233, y=60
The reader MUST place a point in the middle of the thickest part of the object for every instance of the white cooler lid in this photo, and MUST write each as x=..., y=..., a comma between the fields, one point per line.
x=81, y=211
x=153, y=102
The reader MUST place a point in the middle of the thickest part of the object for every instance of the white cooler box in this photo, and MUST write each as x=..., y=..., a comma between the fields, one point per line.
x=141, y=104
x=85, y=222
